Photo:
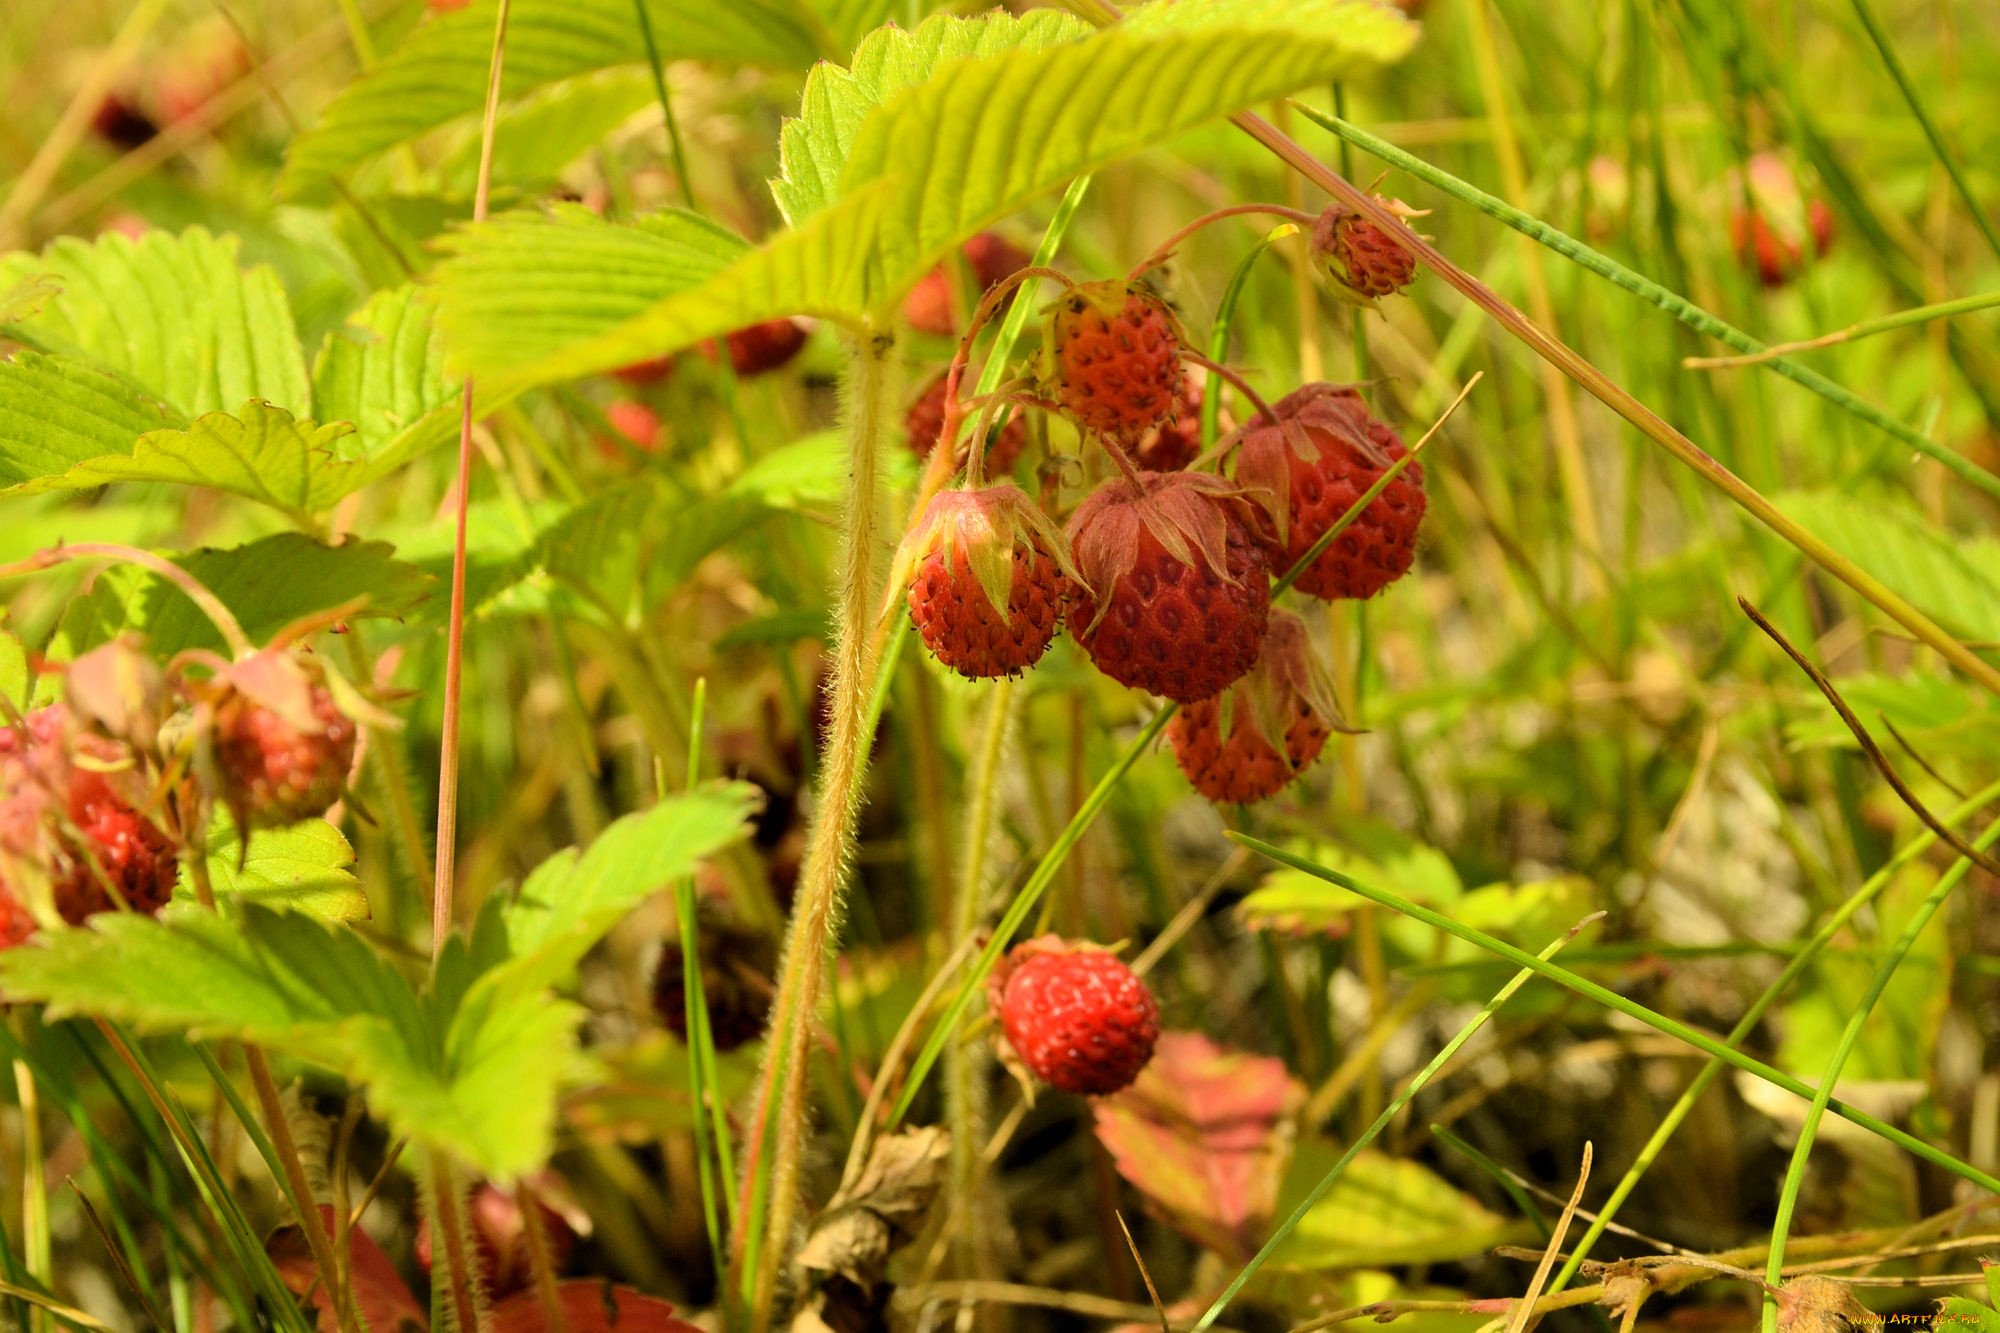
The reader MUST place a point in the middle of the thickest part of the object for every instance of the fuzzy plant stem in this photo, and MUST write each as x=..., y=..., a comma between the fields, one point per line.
x=830, y=848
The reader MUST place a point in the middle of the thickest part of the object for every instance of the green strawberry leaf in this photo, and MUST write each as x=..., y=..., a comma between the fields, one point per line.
x=438, y=74
x=385, y=373
x=263, y=453
x=267, y=584
x=1382, y=1212
x=933, y=164
x=172, y=315
x=837, y=101
x=1914, y=557
x=304, y=868
x=57, y=414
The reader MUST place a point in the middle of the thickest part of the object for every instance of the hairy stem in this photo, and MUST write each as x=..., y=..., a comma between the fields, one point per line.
x=830, y=847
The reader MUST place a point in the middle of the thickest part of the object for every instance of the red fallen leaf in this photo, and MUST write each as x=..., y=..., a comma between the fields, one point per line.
x=1204, y=1134
x=379, y=1294
x=589, y=1306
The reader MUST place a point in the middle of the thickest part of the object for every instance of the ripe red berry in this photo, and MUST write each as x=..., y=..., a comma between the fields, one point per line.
x=1112, y=358
x=925, y=419
x=1313, y=463
x=759, y=348
x=928, y=307
x=1174, y=583
x=282, y=746
x=1360, y=260
x=988, y=580
x=637, y=422
x=1249, y=742
x=73, y=827
x=1075, y=1015
x=1772, y=220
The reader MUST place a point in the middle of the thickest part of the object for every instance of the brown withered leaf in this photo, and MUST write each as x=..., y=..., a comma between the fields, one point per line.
x=1820, y=1305
x=846, y=1256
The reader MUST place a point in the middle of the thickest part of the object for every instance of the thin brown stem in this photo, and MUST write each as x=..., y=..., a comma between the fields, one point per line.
x=1868, y=746
x=197, y=592
x=1242, y=385
x=446, y=861
x=1165, y=249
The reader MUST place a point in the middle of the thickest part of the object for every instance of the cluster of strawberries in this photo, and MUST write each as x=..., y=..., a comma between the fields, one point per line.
x=1163, y=572
x=99, y=792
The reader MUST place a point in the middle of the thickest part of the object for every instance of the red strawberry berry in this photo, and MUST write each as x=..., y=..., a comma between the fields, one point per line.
x=1249, y=742
x=989, y=582
x=991, y=257
x=925, y=419
x=1174, y=583
x=1320, y=455
x=1075, y=1015
x=282, y=745
x=1360, y=260
x=1772, y=220
x=73, y=827
x=637, y=422
x=650, y=371
x=1112, y=358
x=759, y=348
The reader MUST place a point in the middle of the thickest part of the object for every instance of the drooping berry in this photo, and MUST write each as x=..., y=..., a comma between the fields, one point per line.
x=638, y=423
x=1174, y=588
x=991, y=257
x=736, y=970
x=1174, y=444
x=757, y=349
x=1112, y=358
x=1772, y=220
x=1075, y=1015
x=925, y=419
x=70, y=824
x=121, y=124
x=281, y=744
x=1250, y=741
x=1362, y=262
x=1312, y=464
x=988, y=579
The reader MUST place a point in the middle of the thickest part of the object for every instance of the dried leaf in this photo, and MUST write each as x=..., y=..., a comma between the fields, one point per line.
x=883, y=1210
x=1204, y=1134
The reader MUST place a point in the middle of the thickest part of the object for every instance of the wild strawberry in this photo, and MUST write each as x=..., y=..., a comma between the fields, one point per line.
x=1360, y=261
x=1174, y=586
x=736, y=969
x=70, y=823
x=759, y=348
x=500, y=1236
x=1319, y=456
x=1174, y=444
x=281, y=744
x=928, y=307
x=1772, y=219
x=1250, y=741
x=925, y=419
x=121, y=124
x=1112, y=358
x=638, y=423
x=1075, y=1015
x=650, y=371
x=988, y=580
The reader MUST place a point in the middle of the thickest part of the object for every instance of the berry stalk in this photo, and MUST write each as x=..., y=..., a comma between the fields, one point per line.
x=1165, y=249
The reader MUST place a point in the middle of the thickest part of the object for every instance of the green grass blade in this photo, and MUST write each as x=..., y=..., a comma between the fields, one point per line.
x=1686, y=311
x=1389, y=1112
x=1610, y=999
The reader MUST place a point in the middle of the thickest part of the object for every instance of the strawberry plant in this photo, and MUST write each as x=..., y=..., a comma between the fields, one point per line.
x=846, y=664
